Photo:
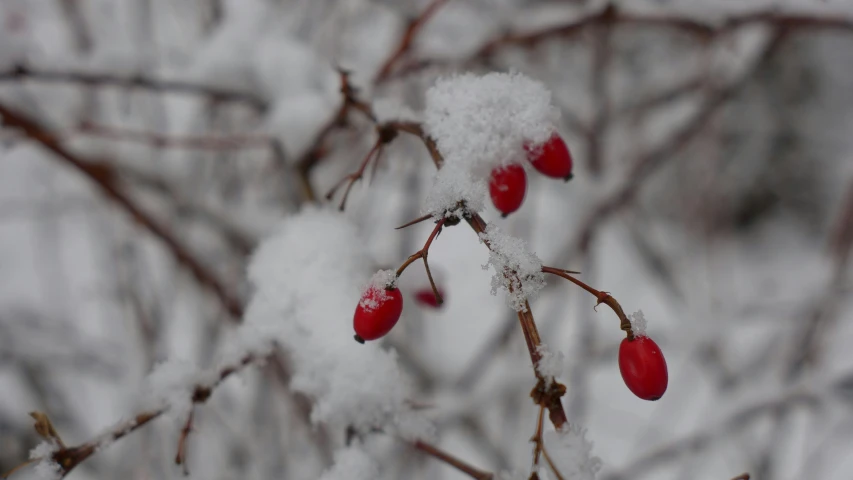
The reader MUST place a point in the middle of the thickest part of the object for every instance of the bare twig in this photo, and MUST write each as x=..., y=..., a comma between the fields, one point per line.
x=159, y=140
x=21, y=72
x=181, y=456
x=104, y=177
x=406, y=40
x=422, y=254
x=454, y=462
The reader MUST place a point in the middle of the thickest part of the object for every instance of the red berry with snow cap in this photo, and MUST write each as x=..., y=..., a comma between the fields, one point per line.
x=552, y=158
x=377, y=312
x=507, y=187
x=643, y=367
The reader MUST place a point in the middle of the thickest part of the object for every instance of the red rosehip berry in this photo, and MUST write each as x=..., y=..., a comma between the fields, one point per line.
x=552, y=158
x=507, y=187
x=643, y=367
x=377, y=313
x=426, y=297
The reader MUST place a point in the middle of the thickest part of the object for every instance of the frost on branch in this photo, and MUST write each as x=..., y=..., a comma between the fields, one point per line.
x=638, y=323
x=478, y=123
x=45, y=468
x=307, y=278
x=518, y=270
x=550, y=365
x=572, y=454
x=170, y=385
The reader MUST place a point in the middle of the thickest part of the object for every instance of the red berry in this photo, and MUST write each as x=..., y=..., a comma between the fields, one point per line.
x=643, y=367
x=552, y=158
x=507, y=187
x=426, y=297
x=377, y=313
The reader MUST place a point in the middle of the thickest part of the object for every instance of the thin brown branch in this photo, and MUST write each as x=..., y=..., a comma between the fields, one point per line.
x=69, y=458
x=454, y=462
x=181, y=456
x=407, y=40
x=653, y=159
x=724, y=428
x=423, y=254
x=600, y=296
x=21, y=72
x=703, y=31
x=105, y=178
x=350, y=179
x=317, y=151
x=159, y=140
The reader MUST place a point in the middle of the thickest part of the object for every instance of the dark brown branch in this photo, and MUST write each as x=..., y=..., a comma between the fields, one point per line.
x=21, y=72
x=69, y=458
x=159, y=140
x=653, y=159
x=406, y=40
x=181, y=456
x=454, y=462
x=701, y=30
x=105, y=178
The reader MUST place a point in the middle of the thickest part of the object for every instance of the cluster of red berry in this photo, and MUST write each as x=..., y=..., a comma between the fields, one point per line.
x=641, y=362
x=508, y=185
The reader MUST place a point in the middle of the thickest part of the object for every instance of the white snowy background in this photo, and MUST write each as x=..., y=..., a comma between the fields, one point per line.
x=713, y=190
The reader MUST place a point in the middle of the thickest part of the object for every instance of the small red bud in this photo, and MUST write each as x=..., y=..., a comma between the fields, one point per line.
x=552, y=158
x=643, y=367
x=507, y=187
x=377, y=313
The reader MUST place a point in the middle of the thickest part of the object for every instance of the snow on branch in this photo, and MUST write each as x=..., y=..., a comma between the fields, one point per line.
x=307, y=278
x=478, y=123
x=518, y=270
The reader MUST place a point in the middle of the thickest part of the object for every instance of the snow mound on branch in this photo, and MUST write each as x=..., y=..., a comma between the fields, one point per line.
x=307, y=278
x=550, y=364
x=45, y=468
x=518, y=270
x=638, y=323
x=572, y=453
x=479, y=123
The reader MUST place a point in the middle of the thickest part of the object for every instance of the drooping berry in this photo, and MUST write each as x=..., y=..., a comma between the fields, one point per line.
x=377, y=312
x=507, y=187
x=426, y=297
x=643, y=367
x=552, y=158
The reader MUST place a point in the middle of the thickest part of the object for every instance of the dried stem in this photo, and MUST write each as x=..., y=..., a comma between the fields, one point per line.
x=105, y=178
x=317, y=150
x=612, y=16
x=406, y=40
x=69, y=458
x=21, y=72
x=454, y=462
x=422, y=254
x=415, y=221
x=181, y=456
x=600, y=296
x=159, y=140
